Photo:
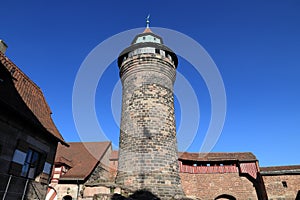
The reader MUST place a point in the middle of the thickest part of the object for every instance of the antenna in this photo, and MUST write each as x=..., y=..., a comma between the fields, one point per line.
x=147, y=21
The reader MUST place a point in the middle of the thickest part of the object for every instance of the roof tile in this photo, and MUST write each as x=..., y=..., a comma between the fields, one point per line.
x=280, y=168
x=83, y=157
x=240, y=156
x=32, y=96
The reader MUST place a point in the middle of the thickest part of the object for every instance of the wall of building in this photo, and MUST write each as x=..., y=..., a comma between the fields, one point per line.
x=113, y=167
x=15, y=136
x=100, y=174
x=276, y=188
x=21, y=136
x=210, y=186
x=105, y=159
x=73, y=190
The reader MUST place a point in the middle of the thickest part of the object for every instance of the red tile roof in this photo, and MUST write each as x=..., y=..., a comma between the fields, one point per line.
x=82, y=156
x=32, y=96
x=239, y=156
x=280, y=169
x=147, y=30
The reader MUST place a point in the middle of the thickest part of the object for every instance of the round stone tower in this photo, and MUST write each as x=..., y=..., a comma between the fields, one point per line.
x=148, y=147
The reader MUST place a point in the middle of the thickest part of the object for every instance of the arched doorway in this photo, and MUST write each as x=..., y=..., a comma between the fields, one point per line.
x=67, y=197
x=298, y=195
x=225, y=197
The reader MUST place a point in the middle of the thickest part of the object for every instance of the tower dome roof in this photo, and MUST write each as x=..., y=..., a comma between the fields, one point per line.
x=147, y=39
x=147, y=36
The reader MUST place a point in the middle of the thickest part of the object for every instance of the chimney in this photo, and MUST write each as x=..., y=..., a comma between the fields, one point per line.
x=3, y=46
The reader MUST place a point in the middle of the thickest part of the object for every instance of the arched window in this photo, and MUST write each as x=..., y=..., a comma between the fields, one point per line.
x=67, y=197
x=225, y=197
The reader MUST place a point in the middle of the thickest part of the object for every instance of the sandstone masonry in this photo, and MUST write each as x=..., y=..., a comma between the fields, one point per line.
x=148, y=147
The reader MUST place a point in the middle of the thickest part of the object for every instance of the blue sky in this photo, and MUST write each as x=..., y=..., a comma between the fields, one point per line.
x=255, y=45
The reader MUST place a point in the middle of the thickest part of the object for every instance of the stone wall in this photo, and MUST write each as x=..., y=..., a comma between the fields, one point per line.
x=148, y=146
x=283, y=187
x=36, y=190
x=211, y=186
x=73, y=190
x=100, y=174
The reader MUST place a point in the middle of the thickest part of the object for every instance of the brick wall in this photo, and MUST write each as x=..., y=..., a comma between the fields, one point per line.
x=276, y=188
x=210, y=186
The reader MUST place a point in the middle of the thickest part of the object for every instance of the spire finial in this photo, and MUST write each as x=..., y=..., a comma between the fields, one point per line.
x=147, y=21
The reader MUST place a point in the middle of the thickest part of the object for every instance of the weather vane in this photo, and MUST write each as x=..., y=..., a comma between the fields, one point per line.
x=147, y=21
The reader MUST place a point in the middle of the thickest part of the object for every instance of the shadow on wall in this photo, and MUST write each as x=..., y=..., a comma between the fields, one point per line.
x=225, y=197
x=67, y=197
x=138, y=195
x=142, y=195
x=298, y=195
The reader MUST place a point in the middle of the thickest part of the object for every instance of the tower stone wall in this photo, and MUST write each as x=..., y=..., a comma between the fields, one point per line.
x=148, y=147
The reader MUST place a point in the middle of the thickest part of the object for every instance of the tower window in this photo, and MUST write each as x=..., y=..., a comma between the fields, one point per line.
x=284, y=184
x=144, y=38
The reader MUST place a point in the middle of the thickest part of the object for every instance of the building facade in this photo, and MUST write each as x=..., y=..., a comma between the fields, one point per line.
x=81, y=171
x=221, y=176
x=28, y=136
x=282, y=182
x=205, y=176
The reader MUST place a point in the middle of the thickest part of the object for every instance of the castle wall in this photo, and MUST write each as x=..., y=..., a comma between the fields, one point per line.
x=276, y=188
x=211, y=186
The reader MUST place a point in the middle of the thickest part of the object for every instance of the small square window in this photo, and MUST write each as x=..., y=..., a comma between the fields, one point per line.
x=284, y=184
x=19, y=157
x=47, y=168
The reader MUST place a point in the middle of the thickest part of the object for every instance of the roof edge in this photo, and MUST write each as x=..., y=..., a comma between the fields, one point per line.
x=280, y=172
